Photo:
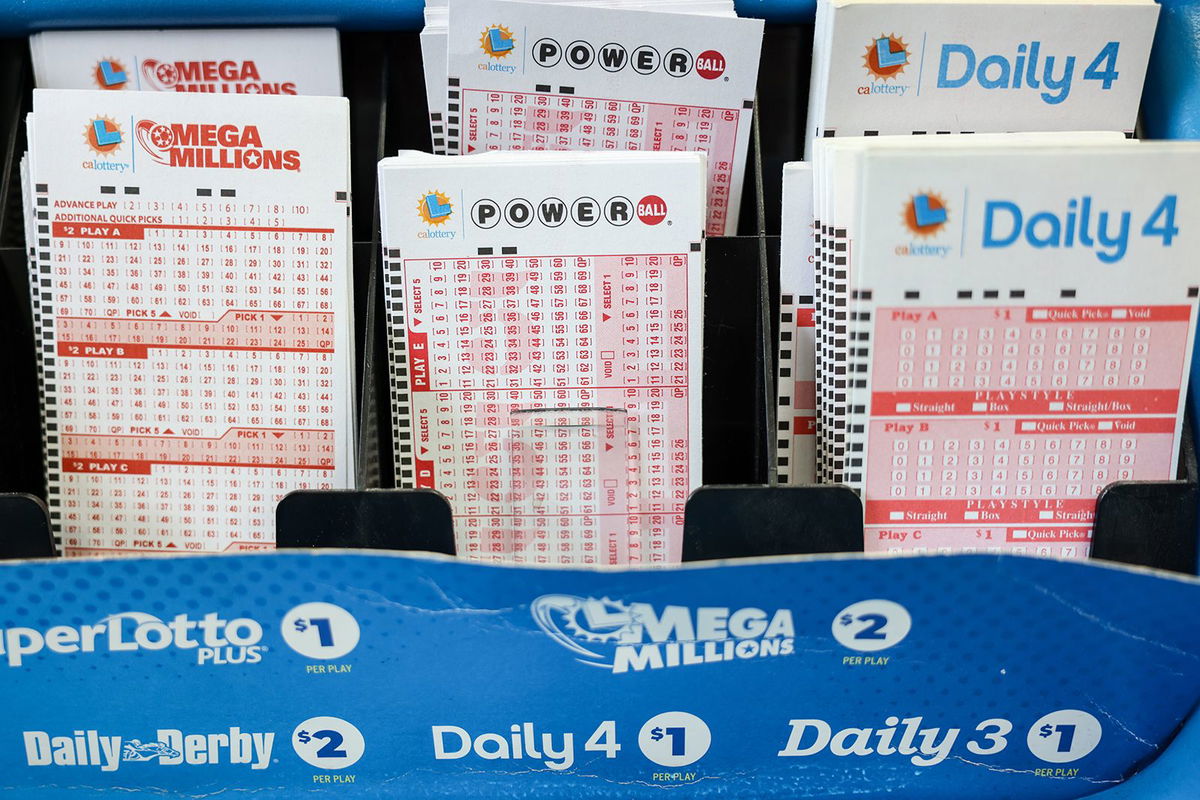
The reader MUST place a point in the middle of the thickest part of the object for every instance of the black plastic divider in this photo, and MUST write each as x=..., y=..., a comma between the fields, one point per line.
x=26, y=527
x=383, y=519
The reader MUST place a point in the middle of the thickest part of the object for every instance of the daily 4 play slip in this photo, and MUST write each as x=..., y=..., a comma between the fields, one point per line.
x=545, y=320
x=1012, y=320
x=218, y=61
x=933, y=66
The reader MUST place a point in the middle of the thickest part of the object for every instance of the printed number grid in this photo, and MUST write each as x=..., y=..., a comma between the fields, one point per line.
x=554, y=415
x=995, y=428
x=194, y=383
x=541, y=121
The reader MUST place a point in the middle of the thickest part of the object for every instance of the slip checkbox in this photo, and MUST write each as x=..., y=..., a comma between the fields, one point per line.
x=1045, y=515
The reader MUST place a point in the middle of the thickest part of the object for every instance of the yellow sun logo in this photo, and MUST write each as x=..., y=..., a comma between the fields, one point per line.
x=103, y=135
x=886, y=56
x=435, y=208
x=497, y=41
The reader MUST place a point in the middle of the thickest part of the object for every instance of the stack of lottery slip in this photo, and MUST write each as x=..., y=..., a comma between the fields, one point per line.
x=796, y=416
x=883, y=67
x=1004, y=324
x=601, y=75
x=289, y=61
x=190, y=282
x=545, y=318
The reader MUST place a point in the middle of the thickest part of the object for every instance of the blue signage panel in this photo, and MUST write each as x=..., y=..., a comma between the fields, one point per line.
x=380, y=675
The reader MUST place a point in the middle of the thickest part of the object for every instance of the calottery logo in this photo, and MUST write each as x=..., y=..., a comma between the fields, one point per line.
x=225, y=77
x=497, y=41
x=924, y=215
x=626, y=637
x=110, y=74
x=886, y=57
x=212, y=146
x=169, y=747
x=103, y=135
x=435, y=208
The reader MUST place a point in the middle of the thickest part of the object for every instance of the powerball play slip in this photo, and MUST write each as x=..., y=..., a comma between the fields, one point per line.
x=545, y=327
x=193, y=323
x=1023, y=313
x=533, y=76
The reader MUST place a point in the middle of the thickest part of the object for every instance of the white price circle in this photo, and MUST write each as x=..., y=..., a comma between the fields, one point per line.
x=871, y=625
x=328, y=742
x=674, y=739
x=320, y=630
x=1064, y=736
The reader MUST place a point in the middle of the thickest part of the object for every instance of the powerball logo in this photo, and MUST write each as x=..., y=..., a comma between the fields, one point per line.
x=924, y=215
x=212, y=146
x=626, y=637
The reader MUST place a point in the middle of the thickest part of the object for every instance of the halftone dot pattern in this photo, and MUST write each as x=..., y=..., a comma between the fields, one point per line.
x=446, y=642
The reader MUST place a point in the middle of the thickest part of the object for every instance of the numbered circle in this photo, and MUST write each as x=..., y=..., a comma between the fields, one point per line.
x=674, y=739
x=320, y=630
x=1063, y=736
x=328, y=742
x=871, y=625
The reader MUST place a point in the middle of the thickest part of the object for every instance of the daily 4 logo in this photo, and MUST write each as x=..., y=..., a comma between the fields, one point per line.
x=637, y=636
x=169, y=747
x=1029, y=68
x=215, y=640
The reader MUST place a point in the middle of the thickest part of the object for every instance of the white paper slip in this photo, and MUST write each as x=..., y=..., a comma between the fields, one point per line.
x=545, y=317
x=529, y=76
x=302, y=61
x=194, y=313
x=796, y=420
x=1024, y=316
x=938, y=66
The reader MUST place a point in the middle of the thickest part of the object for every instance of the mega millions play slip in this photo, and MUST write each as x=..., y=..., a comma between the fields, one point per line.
x=192, y=287
x=545, y=318
x=1018, y=317
x=544, y=76
x=217, y=61
x=956, y=66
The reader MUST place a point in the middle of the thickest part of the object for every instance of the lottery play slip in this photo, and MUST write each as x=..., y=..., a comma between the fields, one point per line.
x=218, y=61
x=1010, y=321
x=550, y=76
x=545, y=317
x=191, y=285
x=796, y=417
x=956, y=66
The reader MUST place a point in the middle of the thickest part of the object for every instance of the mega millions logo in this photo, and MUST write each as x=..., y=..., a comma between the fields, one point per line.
x=110, y=73
x=886, y=57
x=225, y=77
x=624, y=637
x=435, y=208
x=212, y=146
x=103, y=136
x=497, y=41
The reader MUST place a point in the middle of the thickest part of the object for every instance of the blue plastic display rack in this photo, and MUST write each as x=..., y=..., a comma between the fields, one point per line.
x=24, y=16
